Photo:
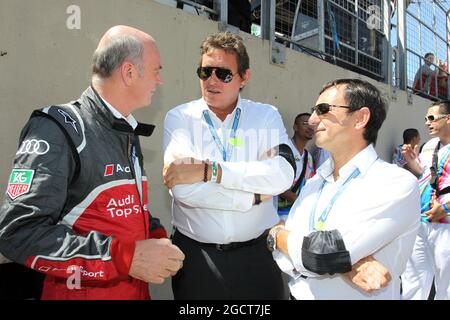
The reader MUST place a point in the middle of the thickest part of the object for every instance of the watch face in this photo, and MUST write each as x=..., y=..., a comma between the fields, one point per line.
x=270, y=242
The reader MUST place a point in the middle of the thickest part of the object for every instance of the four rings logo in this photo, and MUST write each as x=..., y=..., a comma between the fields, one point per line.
x=34, y=146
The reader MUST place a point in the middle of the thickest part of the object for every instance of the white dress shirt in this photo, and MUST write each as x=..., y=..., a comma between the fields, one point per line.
x=223, y=213
x=377, y=214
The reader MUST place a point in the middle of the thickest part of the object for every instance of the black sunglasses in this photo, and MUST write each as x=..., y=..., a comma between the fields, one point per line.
x=223, y=74
x=433, y=118
x=323, y=108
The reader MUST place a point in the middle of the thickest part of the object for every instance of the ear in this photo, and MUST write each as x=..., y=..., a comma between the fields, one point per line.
x=127, y=72
x=246, y=78
x=362, y=118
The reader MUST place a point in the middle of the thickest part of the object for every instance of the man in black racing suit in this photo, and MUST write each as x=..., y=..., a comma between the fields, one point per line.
x=76, y=201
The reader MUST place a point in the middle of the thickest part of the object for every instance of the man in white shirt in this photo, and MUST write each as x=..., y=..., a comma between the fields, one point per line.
x=232, y=159
x=356, y=205
x=431, y=253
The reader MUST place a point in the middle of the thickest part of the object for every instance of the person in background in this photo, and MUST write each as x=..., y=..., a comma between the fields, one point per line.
x=303, y=133
x=431, y=254
x=423, y=76
x=440, y=79
x=411, y=136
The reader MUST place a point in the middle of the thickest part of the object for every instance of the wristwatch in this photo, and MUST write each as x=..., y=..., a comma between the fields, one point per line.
x=272, y=238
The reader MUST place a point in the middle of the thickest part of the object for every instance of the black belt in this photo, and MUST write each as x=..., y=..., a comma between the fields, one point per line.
x=229, y=246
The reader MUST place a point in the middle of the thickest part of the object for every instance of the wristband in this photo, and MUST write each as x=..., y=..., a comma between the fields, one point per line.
x=205, y=172
x=445, y=207
x=214, y=171
x=257, y=199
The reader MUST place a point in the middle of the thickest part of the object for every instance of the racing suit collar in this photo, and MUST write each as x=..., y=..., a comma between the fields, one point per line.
x=94, y=100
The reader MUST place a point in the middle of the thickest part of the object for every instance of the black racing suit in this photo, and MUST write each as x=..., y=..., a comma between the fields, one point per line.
x=72, y=207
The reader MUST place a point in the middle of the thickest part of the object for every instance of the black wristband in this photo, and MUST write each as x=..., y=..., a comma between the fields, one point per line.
x=257, y=199
x=205, y=172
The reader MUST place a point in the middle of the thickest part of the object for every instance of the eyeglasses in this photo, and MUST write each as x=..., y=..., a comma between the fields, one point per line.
x=223, y=74
x=323, y=108
x=433, y=118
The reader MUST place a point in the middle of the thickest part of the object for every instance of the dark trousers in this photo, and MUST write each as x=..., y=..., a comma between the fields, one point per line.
x=247, y=272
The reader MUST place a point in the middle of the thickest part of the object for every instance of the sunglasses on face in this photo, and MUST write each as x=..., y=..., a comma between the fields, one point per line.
x=223, y=74
x=433, y=118
x=323, y=108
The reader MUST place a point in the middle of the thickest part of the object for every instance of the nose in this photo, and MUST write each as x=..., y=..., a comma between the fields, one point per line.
x=314, y=119
x=213, y=78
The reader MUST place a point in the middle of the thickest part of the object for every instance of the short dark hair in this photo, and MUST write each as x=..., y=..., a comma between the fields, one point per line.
x=359, y=93
x=428, y=54
x=444, y=106
x=230, y=43
x=301, y=115
x=410, y=134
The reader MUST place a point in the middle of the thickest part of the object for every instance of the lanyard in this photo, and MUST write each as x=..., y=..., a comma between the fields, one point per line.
x=320, y=224
x=226, y=153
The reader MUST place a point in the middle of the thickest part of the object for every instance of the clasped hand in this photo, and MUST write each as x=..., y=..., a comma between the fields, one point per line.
x=368, y=274
x=155, y=259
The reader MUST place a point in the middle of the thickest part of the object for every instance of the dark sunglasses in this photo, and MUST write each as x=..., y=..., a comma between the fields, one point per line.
x=323, y=108
x=223, y=74
x=433, y=118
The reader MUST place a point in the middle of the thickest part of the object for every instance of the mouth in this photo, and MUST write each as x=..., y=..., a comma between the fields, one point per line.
x=212, y=91
x=318, y=130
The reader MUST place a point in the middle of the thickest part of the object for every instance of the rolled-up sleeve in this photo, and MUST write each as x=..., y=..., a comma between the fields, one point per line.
x=271, y=176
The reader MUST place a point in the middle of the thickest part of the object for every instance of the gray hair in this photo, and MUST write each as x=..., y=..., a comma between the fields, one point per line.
x=111, y=56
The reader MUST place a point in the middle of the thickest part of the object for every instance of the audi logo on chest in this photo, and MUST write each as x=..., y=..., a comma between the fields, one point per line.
x=34, y=146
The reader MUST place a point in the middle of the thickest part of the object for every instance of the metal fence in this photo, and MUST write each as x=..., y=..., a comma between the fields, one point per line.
x=427, y=48
x=383, y=39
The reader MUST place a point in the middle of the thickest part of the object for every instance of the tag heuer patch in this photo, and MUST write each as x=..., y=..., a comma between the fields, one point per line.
x=19, y=182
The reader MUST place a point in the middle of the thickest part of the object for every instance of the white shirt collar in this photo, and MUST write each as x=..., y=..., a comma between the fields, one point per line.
x=363, y=160
x=130, y=119
x=204, y=106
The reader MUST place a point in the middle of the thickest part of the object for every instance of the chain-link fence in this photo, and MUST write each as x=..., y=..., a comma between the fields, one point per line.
x=352, y=34
x=427, y=48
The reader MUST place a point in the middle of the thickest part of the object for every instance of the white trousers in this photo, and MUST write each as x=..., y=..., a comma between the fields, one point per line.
x=430, y=258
